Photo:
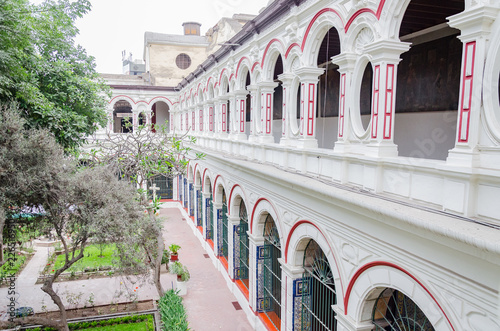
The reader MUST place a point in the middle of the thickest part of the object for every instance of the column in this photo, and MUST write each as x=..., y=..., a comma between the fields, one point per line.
x=256, y=268
x=200, y=119
x=266, y=118
x=135, y=121
x=475, y=28
x=240, y=114
x=210, y=107
x=288, y=112
x=231, y=115
x=346, y=323
x=254, y=91
x=291, y=293
x=385, y=58
x=346, y=63
x=222, y=117
x=308, y=100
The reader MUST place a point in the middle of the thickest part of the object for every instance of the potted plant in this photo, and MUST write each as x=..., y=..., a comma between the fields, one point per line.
x=174, y=250
x=165, y=258
x=183, y=276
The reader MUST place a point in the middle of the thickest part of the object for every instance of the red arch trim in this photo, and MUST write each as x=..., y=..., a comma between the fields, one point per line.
x=253, y=213
x=231, y=77
x=208, y=81
x=318, y=14
x=254, y=65
x=220, y=76
x=391, y=265
x=365, y=10
x=267, y=48
x=239, y=63
x=292, y=230
x=290, y=49
x=123, y=96
x=203, y=180
x=215, y=185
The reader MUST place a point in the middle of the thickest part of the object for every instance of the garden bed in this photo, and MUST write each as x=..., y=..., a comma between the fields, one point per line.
x=17, y=268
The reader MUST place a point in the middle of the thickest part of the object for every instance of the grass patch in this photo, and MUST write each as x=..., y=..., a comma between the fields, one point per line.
x=126, y=323
x=12, y=266
x=172, y=313
x=94, y=258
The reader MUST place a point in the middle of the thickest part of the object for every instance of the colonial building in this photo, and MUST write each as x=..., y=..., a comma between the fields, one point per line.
x=352, y=170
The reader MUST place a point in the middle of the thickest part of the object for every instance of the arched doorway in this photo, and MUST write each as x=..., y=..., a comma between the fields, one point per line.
x=160, y=115
x=394, y=311
x=241, y=248
x=318, y=291
x=122, y=117
x=271, y=273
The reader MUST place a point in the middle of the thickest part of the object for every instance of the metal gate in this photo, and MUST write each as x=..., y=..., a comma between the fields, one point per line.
x=210, y=218
x=272, y=273
x=224, y=247
x=165, y=184
x=243, y=245
x=318, y=291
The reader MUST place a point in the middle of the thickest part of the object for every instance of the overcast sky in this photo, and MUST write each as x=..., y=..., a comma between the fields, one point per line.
x=116, y=25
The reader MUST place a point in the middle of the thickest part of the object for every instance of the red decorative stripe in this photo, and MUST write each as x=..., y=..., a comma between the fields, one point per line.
x=318, y=14
x=290, y=49
x=391, y=265
x=267, y=48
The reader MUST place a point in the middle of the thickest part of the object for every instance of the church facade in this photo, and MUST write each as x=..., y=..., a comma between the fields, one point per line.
x=352, y=171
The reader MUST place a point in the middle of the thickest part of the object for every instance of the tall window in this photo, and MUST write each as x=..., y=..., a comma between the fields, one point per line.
x=394, y=311
x=272, y=273
x=318, y=294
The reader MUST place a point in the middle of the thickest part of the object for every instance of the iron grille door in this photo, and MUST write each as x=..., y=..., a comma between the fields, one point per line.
x=224, y=228
x=319, y=291
x=199, y=204
x=272, y=274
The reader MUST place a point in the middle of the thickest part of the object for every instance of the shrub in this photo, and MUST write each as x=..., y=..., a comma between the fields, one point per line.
x=172, y=313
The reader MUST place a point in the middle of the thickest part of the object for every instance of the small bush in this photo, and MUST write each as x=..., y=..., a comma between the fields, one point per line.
x=172, y=313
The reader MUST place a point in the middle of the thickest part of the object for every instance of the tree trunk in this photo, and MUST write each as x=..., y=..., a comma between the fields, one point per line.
x=159, y=255
x=2, y=224
x=47, y=288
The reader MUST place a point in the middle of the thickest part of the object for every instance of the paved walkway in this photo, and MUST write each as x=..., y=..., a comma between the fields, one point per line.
x=209, y=302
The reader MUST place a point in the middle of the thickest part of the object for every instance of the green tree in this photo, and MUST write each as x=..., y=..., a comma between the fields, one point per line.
x=53, y=80
x=140, y=156
x=81, y=204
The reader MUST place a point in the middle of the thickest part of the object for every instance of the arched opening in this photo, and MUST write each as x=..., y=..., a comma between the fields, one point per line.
x=160, y=115
x=277, y=100
x=191, y=193
x=209, y=214
x=328, y=91
x=428, y=81
x=199, y=203
x=241, y=247
x=272, y=273
x=366, y=96
x=248, y=105
x=318, y=291
x=141, y=119
x=394, y=311
x=223, y=230
x=122, y=117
